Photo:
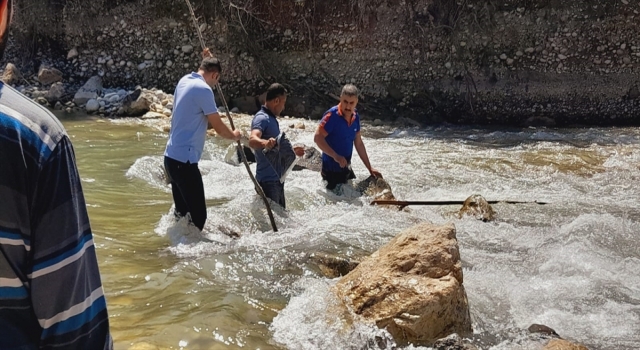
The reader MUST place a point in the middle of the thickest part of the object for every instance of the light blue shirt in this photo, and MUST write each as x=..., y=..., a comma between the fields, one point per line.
x=193, y=101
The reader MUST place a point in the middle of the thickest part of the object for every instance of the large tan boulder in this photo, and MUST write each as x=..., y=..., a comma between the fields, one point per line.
x=412, y=286
x=561, y=344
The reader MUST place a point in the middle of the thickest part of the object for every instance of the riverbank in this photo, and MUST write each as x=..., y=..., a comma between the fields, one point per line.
x=434, y=61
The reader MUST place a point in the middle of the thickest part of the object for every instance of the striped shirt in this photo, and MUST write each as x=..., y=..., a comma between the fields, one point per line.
x=51, y=296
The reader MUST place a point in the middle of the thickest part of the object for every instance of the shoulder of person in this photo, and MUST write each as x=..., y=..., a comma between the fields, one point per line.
x=331, y=112
x=31, y=115
x=260, y=117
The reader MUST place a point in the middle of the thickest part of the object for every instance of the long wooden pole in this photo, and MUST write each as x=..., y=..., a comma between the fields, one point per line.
x=258, y=188
x=403, y=204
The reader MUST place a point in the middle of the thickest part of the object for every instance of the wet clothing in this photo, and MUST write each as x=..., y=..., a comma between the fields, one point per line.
x=187, y=189
x=272, y=165
x=281, y=157
x=341, y=135
x=51, y=295
x=266, y=122
x=274, y=190
x=334, y=178
x=193, y=101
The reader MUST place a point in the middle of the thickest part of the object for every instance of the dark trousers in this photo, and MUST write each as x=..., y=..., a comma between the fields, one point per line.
x=188, y=190
x=333, y=178
x=274, y=190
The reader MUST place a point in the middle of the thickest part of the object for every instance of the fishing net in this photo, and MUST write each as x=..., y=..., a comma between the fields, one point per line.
x=311, y=160
x=281, y=157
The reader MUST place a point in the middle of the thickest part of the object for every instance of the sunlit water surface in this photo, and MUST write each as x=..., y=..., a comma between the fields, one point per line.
x=572, y=264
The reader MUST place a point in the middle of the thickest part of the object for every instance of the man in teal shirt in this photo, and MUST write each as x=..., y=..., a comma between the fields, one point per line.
x=194, y=108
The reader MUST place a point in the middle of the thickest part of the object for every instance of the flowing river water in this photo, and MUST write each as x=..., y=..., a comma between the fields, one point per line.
x=573, y=264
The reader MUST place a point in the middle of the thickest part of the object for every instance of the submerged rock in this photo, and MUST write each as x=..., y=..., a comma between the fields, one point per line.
x=333, y=266
x=477, y=207
x=452, y=342
x=542, y=329
x=412, y=286
x=375, y=187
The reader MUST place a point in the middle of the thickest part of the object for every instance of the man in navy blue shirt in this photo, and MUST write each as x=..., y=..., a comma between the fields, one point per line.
x=264, y=132
x=337, y=134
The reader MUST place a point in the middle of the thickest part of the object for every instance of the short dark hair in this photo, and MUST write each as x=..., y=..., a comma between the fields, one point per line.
x=211, y=64
x=275, y=90
x=350, y=90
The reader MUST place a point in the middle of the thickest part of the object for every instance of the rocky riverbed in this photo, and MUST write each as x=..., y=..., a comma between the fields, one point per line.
x=518, y=63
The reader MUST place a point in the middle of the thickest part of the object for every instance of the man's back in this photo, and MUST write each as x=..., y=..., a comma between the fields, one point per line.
x=50, y=289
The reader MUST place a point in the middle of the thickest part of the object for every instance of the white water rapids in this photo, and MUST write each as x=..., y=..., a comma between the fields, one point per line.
x=572, y=264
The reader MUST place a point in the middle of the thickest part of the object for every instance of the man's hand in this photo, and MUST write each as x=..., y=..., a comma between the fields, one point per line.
x=375, y=173
x=237, y=135
x=341, y=160
x=206, y=53
x=269, y=144
x=299, y=151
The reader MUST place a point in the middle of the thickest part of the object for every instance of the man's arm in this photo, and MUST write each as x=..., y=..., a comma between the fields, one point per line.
x=257, y=142
x=221, y=128
x=66, y=290
x=362, y=153
x=320, y=139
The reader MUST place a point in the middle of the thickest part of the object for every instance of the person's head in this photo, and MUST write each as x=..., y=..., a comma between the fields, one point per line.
x=276, y=98
x=210, y=70
x=348, y=99
x=5, y=20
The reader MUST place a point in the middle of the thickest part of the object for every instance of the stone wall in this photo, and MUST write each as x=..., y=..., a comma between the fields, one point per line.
x=513, y=62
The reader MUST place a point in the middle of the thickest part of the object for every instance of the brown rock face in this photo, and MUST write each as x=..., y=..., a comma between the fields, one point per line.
x=560, y=344
x=412, y=286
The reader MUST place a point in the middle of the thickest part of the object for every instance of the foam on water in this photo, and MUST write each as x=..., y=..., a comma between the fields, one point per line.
x=316, y=319
x=571, y=264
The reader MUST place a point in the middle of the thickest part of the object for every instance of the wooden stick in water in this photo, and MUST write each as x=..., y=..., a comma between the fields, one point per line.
x=258, y=188
x=403, y=204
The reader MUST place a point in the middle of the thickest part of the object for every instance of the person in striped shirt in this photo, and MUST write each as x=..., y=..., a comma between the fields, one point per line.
x=51, y=296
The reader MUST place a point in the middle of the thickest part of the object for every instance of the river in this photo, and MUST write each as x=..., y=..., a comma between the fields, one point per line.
x=572, y=264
